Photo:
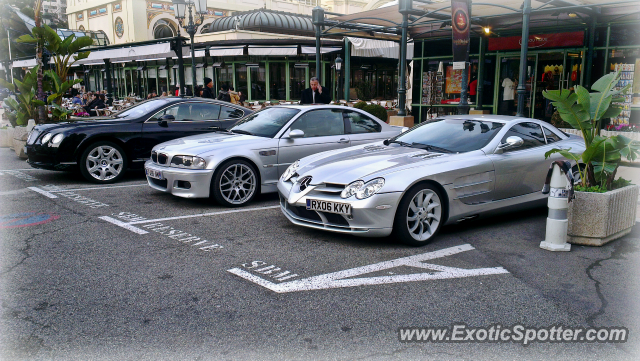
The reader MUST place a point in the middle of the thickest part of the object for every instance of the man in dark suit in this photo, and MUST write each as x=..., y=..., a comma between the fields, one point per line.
x=208, y=86
x=316, y=94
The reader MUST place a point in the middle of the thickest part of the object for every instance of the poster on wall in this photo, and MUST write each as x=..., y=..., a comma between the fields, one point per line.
x=454, y=80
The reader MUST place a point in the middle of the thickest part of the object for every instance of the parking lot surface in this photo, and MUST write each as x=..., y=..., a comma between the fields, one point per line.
x=122, y=271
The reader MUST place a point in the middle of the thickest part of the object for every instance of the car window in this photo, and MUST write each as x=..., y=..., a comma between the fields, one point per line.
x=361, y=123
x=204, y=111
x=230, y=113
x=266, y=122
x=180, y=111
x=455, y=135
x=552, y=137
x=320, y=123
x=531, y=134
x=142, y=109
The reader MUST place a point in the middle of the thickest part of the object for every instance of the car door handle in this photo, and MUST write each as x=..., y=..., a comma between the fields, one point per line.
x=343, y=141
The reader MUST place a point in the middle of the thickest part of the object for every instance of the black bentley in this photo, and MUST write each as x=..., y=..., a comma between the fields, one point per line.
x=104, y=147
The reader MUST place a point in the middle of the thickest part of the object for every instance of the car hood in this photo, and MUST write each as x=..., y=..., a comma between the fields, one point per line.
x=368, y=162
x=201, y=144
x=95, y=121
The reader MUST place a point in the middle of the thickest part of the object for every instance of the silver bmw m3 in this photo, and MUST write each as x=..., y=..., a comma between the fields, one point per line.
x=439, y=172
x=235, y=165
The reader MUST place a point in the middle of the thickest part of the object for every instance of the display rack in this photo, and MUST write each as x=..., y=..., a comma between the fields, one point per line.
x=627, y=72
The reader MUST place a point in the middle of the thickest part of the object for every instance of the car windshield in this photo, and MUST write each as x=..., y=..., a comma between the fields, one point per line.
x=265, y=123
x=452, y=135
x=144, y=108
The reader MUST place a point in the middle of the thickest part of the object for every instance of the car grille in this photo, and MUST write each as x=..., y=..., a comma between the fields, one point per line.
x=154, y=157
x=163, y=158
x=33, y=135
x=158, y=182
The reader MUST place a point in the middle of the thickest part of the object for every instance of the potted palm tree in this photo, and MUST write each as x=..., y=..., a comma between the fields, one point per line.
x=604, y=207
x=24, y=109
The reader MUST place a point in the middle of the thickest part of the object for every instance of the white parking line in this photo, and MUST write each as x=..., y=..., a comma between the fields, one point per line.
x=9, y=170
x=204, y=214
x=43, y=192
x=349, y=277
x=94, y=188
x=124, y=225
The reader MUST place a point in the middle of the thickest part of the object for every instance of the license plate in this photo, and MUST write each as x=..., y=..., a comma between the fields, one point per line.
x=329, y=207
x=154, y=173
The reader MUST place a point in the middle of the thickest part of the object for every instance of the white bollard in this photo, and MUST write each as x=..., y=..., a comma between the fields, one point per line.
x=557, y=222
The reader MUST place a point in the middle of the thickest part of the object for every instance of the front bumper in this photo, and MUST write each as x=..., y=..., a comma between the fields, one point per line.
x=48, y=158
x=365, y=220
x=187, y=183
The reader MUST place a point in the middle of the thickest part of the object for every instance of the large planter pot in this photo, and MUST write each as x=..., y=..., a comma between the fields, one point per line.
x=6, y=137
x=599, y=218
x=630, y=135
x=20, y=135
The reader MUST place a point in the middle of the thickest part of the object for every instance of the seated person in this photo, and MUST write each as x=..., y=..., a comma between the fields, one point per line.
x=98, y=103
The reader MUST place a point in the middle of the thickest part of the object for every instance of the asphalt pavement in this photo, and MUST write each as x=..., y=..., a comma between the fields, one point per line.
x=123, y=272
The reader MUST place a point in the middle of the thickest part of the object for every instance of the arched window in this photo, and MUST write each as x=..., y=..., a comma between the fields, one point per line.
x=164, y=29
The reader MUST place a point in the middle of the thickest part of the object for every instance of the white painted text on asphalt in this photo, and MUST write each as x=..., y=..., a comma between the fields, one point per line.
x=91, y=203
x=173, y=233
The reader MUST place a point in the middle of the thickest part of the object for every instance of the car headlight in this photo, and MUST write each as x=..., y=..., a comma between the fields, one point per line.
x=361, y=189
x=46, y=138
x=293, y=168
x=351, y=189
x=188, y=161
x=370, y=188
x=57, y=139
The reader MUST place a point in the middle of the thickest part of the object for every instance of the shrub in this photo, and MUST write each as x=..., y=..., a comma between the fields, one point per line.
x=365, y=90
x=360, y=105
x=376, y=110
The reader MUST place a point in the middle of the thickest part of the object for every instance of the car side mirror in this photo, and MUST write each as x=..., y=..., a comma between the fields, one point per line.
x=511, y=143
x=296, y=133
x=165, y=119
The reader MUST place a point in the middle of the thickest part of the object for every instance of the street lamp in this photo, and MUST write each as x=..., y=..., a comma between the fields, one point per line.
x=339, y=70
x=190, y=25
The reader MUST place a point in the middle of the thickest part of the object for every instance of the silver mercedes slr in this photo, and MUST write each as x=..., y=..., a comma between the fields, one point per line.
x=235, y=165
x=439, y=172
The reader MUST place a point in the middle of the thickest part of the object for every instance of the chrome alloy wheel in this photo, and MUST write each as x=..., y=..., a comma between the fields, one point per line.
x=423, y=215
x=237, y=184
x=104, y=163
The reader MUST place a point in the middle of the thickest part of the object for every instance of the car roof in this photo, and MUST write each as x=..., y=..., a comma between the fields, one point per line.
x=315, y=106
x=489, y=117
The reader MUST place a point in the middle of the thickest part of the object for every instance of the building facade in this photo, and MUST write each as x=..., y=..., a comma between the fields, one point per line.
x=55, y=8
x=126, y=21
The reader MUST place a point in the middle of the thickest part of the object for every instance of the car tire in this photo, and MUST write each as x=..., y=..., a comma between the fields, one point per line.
x=235, y=183
x=103, y=162
x=417, y=223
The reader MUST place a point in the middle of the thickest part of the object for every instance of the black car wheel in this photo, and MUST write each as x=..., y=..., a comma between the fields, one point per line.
x=419, y=216
x=103, y=162
x=235, y=183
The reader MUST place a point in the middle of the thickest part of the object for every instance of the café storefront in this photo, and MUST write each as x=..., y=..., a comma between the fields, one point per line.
x=555, y=60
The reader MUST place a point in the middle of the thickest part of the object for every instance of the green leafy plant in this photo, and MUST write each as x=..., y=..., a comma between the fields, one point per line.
x=58, y=88
x=360, y=104
x=376, y=110
x=365, y=90
x=26, y=105
x=64, y=52
x=585, y=111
